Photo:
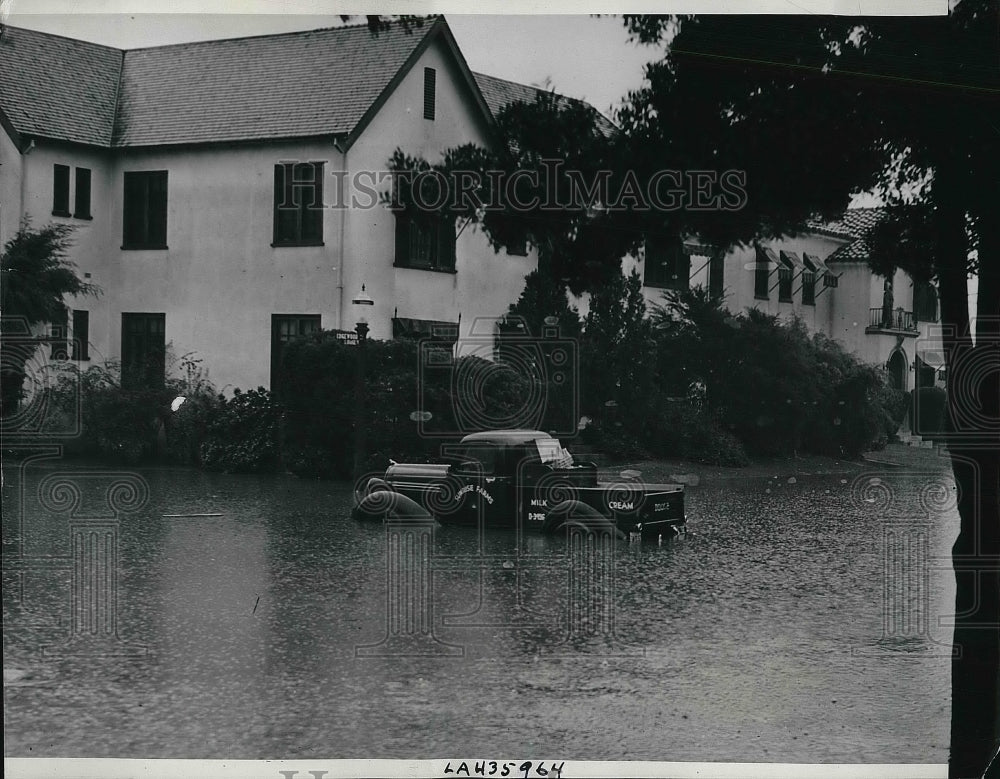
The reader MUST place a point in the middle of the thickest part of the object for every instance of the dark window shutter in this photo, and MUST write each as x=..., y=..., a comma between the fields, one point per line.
x=158, y=208
x=81, y=204
x=132, y=208
x=60, y=322
x=402, y=238
x=312, y=203
x=683, y=269
x=446, y=244
x=430, y=88
x=60, y=190
x=81, y=335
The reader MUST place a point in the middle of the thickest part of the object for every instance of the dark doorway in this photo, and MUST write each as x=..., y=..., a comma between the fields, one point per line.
x=284, y=328
x=144, y=349
x=897, y=370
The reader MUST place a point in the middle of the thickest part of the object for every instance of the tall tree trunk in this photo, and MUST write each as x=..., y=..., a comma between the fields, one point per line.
x=974, y=409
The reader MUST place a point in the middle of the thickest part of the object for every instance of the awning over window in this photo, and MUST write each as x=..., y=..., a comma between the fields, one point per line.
x=791, y=260
x=692, y=249
x=404, y=327
x=814, y=263
x=766, y=257
x=933, y=357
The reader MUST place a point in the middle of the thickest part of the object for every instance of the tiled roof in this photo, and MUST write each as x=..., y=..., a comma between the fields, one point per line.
x=298, y=84
x=58, y=87
x=499, y=93
x=856, y=224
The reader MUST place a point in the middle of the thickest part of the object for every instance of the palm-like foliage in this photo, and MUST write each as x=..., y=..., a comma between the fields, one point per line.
x=36, y=275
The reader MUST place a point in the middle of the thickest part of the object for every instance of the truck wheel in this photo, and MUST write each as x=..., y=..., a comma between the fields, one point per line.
x=575, y=515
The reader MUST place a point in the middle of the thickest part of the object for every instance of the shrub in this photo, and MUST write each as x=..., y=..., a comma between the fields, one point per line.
x=130, y=424
x=318, y=381
x=242, y=436
x=683, y=429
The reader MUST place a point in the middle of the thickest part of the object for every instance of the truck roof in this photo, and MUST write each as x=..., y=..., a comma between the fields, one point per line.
x=506, y=437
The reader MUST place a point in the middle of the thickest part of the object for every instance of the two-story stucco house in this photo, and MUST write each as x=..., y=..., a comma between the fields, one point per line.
x=177, y=164
x=822, y=278
x=193, y=174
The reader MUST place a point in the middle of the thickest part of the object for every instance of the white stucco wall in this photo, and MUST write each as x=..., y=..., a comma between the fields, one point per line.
x=220, y=280
x=485, y=282
x=10, y=187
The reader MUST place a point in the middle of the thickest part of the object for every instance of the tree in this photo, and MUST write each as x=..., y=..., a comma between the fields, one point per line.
x=816, y=109
x=36, y=275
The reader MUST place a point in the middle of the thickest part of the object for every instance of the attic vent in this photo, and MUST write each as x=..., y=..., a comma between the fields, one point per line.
x=430, y=80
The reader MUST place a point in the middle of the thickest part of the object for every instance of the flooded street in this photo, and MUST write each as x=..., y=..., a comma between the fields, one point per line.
x=797, y=622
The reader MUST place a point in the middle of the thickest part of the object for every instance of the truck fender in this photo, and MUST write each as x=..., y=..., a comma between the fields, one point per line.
x=384, y=504
x=578, y=515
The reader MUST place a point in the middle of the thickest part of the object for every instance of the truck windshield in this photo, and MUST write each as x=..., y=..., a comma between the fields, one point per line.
x=484, y=455
x=552, y=453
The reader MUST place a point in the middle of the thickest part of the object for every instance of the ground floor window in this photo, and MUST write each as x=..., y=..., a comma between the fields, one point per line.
x=144, y=349
x=59, y=337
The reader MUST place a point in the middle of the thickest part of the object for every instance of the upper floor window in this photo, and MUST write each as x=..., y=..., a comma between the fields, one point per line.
x=766, y=260
x=145, y=210
x=667, y=265
x=784, y=284
x=430, y=89
x=60, y=190
x=424, y=240
x=808, y=288
x=81, y=202
x=298, y=204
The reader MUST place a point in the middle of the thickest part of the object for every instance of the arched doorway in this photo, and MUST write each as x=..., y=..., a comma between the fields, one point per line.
x=896, y=368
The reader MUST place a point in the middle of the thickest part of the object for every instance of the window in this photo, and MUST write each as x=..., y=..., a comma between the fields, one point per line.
x=144, y=349
x=285, y=328
x=517, y=244
x=808, y=288
x=425, y=240
x=81, y=203
x=60, y=190
x=298, y=204
x=145, y=210
x=81, y=335
x=430, y=87
x=484, y=456
x=667, y=265
x=829, y=280
x=762, y=274
x=785, y=285
x=59, y=336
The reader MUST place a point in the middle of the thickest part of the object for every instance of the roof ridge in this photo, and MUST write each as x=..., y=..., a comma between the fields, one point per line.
x=258, y=36
x=5, y=27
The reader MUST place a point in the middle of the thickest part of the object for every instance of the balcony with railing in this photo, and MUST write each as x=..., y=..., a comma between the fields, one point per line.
x=895, y=322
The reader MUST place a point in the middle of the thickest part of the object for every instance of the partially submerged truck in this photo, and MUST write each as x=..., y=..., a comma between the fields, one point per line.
x=526, y=479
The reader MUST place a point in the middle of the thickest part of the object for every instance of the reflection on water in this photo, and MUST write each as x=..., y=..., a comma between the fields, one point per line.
x=762, y=636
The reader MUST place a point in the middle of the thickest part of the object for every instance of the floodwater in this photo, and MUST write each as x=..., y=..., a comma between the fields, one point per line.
x=797, y=622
